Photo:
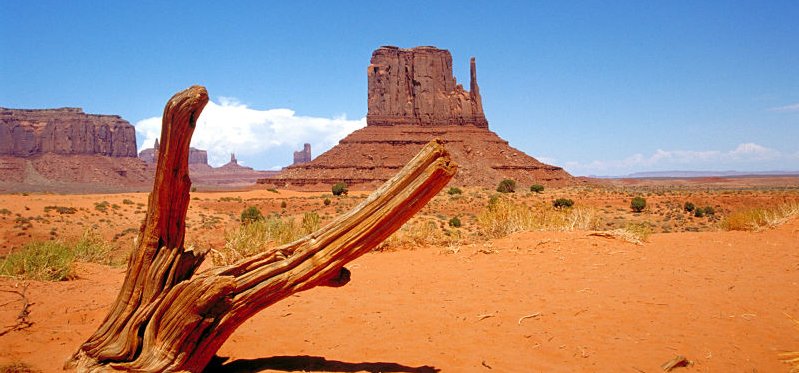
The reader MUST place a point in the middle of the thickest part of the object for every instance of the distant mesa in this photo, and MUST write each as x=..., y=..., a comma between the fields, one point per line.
x=196, y=156
x=303, y=156
x=413, y=98
x=67, y=131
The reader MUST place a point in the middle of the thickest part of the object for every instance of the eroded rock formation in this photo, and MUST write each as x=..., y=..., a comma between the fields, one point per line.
x=304, y=155
x=68, y=131
x=196, y=156
x=412, y=99
x=416, y=86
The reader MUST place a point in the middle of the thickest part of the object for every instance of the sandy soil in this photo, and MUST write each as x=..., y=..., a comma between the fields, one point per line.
x=531, y=302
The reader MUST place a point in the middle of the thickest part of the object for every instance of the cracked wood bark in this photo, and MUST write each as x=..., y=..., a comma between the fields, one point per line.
x=166, y=318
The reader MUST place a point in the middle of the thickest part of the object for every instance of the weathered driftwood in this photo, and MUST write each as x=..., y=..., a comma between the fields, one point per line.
x=166, y=318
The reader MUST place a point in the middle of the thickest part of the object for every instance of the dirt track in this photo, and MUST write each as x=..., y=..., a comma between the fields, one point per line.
x=721, y=299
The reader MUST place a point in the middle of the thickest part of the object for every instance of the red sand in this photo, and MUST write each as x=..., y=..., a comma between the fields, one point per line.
x=720, y=298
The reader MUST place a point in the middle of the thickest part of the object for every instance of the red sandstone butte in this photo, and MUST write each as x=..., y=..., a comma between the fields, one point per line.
x=413, y=98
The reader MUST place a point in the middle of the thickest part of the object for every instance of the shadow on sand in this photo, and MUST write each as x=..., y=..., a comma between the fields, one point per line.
x=308, y=363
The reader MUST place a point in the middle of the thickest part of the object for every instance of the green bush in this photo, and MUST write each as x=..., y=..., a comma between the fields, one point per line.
x=709, y=210
x=562, y=203
x=699, y=212
x=638, y=204
x=689, y=206
x=506, y=186
x=454, y=190
x=327, y=202
x=340, y=189
x=455, y=222
x=537, y=188
x=283, y=204
x=251, y=214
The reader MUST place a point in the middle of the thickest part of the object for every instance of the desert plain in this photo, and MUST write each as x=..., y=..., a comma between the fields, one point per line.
x=596, y=287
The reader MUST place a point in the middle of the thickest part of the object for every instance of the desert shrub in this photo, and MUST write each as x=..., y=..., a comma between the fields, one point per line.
x=688, y=206
x=699, y=212
x=61, y=209
x=326, y=202
x=310, y=222
x=251, y=214
x=43, y=261
x=340, y=189
x=230, y=199
x=562, y=203
x=754, y=219
x=101, y=206
x=506, y=186
x=454, y=190
x=52, y=260
x=5, y=211
x=638, y=204
x=193, y=189
x=273, y=190
x=283, y=204
x=709, y=210
x=455, y=222
x=537, y=188
x=127, y=202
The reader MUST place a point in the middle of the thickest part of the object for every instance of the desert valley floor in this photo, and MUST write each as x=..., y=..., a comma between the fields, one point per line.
x=567, y=299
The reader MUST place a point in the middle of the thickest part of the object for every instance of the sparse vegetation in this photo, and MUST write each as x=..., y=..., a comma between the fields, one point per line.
x=638, y=204
x=310, y=222
x=455, y=222
x=562, y=203
x=454, y=191
x=326, y=202
x=127, y=202
x=537, y=188
x=17, y=367
x=755, y=219
x=689, y=206
x=53, y=260
x=503, y=216
x=61, y=209
x=340, y=189
x=250, y=214
x=255, y=237
x=101, y=206
x=506, y=186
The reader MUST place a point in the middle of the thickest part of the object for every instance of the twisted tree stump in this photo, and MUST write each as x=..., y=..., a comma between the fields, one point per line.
x=166, y=318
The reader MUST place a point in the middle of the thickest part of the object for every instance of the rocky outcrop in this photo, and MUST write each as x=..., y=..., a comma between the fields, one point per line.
x=413, y=98
x=66, y=131
x=304, y=155
x=416, y=86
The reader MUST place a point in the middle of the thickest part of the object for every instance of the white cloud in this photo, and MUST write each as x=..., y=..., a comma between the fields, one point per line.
x=786, y=108
x=744, y=157
x=231, y=127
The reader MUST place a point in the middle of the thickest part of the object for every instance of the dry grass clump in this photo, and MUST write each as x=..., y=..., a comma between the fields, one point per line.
x=419, y=232
x=53, y=260
x=755, y=219
x=261, y=234
x=636, y=233
x=504, y=216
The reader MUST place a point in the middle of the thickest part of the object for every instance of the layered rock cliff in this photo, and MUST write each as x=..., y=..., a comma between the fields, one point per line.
x=416, y=86
x=66, y=131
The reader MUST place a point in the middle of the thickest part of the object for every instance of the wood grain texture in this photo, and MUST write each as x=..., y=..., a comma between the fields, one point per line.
x=166, y=318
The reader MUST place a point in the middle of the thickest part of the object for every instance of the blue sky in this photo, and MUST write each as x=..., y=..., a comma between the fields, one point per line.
x=598, y=88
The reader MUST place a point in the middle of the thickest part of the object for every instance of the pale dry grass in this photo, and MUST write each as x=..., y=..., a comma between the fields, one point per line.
x=633, y=233
x=261, y=234
x=755, y=219
x=54, y=260
x=420, y=232
x=504, y=216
